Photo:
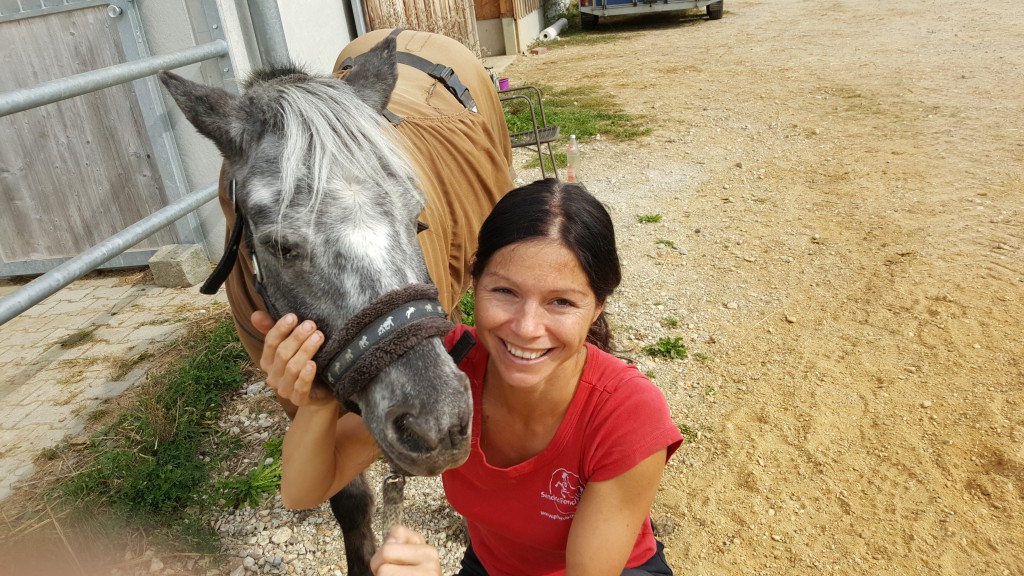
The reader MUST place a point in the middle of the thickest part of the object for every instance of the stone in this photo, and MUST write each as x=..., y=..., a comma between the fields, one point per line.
x=179, y=265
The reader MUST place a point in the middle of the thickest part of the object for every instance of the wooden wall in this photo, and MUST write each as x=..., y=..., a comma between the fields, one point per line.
x=75, y=172
x=453, y=18
x=490, y=9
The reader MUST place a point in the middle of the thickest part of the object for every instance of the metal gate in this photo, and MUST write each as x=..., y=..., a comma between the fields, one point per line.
x=79, y=170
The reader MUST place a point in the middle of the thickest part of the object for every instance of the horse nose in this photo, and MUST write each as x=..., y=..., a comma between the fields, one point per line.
x=422, y=435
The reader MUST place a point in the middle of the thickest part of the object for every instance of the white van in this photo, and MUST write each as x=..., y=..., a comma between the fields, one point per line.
x=592, y=10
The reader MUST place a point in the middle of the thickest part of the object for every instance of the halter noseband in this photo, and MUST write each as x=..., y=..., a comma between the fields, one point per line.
x=377, y=335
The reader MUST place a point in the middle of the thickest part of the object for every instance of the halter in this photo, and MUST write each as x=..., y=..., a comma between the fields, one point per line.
x=377, y=335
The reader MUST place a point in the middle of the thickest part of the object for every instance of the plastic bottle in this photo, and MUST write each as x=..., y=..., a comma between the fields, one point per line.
x=572, y=158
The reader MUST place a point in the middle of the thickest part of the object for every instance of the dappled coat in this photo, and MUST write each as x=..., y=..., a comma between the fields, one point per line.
x=462, y=158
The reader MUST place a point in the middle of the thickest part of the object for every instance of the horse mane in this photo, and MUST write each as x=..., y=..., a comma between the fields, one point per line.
x=326, y=130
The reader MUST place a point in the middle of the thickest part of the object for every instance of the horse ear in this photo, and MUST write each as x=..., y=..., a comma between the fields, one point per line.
x=374, y=74
x=211, y=110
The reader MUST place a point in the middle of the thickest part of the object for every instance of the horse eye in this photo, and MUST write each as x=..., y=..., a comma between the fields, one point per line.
x=284, y=249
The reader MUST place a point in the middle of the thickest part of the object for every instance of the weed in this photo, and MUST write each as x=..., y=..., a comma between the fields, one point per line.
x=467, y=305
x=688, y=433
x=155, y=460
x=650, y=374
x=249, y=489
x=701, y=357
x=648, y=218
x=668, y=348
x=665, y=243
x=669, y=322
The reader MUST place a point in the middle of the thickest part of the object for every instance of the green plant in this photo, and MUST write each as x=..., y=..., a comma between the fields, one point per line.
x=249, y=489
x=650, y=374
x=666, y=243
x=467, y=305
x=581, y=110
x=701, y=357
x=688, y=433
x=668, y=348
x=648, y=218
x=155, y=460
x=669, y=322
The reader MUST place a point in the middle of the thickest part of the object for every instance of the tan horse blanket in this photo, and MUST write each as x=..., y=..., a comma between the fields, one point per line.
x=463, y=160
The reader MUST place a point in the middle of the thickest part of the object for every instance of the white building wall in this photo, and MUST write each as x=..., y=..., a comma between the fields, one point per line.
x=316, y=31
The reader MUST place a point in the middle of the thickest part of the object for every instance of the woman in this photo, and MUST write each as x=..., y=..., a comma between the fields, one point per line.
x=569, y=442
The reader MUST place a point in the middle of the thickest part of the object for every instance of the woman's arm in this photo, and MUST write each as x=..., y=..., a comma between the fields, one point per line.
x=321, y=453
x=609, y=517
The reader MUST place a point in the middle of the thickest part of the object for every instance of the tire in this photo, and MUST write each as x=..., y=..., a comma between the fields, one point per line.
x=588, y=21
x=716, y=10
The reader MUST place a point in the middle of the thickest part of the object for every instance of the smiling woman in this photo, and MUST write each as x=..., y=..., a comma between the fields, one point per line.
x=568, y=441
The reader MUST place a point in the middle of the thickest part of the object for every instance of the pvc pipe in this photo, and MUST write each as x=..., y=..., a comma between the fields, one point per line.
x=551, y=32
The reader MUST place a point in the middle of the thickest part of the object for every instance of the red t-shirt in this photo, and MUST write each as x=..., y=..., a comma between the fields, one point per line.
x=519, y=517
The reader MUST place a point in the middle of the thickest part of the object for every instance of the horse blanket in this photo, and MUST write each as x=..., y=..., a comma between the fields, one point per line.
x=462, y=158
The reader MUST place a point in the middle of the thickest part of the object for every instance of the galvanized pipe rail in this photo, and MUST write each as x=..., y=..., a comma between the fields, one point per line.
x=86, y=82
x=273, y=50
x=42, y=287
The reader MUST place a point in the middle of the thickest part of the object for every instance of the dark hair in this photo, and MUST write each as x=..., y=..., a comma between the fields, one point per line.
x=566, y=212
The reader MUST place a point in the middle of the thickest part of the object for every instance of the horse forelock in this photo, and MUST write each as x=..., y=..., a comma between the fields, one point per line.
x=328, y=166
x=327, y=132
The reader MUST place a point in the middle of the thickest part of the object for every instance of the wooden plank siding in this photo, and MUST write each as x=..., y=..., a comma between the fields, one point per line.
x=523, y=8
x=490, y=9
x=453, y=18
x=74, y=172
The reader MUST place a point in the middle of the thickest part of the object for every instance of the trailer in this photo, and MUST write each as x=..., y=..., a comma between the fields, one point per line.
x=592, y=10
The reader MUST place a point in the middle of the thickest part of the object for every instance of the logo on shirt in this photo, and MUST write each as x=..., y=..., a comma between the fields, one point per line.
x=564, y=491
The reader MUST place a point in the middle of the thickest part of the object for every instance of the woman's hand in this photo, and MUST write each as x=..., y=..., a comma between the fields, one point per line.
x=288, y=351
x=405, y=553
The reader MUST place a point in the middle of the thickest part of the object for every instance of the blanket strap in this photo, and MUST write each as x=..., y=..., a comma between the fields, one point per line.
x=445, y=75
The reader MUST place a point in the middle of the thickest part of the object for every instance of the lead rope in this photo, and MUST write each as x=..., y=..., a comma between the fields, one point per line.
x=393, y=487
x=393, y=494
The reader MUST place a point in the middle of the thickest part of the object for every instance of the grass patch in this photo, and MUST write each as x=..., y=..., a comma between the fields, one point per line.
x=648, y=218
x=701, y=357
x=665, y=243
x=669, y=322
x=147, y=467
x=668, y=348
x=581, y=110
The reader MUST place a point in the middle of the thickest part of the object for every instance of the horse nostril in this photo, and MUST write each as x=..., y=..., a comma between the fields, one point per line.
x=456, y=435
x=411, y=435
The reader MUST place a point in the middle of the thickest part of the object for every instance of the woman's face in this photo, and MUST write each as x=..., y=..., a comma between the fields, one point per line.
x=534, y=306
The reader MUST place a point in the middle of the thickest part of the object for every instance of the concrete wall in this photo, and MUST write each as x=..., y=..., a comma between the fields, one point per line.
x=492, y=40
x=499, y=36
x=529, y=28
x=172, y=25
x=316, y=31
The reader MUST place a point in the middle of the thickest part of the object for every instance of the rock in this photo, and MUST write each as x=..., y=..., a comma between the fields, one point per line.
x=282, y=535
x=156, y=566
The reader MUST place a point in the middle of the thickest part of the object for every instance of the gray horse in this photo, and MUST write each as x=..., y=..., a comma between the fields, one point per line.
x=354, y=201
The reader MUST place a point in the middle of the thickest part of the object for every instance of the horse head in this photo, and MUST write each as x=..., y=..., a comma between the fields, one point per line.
x=330, y=205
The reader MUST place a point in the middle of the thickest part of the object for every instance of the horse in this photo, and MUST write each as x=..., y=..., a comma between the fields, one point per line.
x=354, y=200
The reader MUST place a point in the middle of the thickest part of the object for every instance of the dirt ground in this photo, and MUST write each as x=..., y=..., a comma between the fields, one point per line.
x=843, y=182
x=841, y=185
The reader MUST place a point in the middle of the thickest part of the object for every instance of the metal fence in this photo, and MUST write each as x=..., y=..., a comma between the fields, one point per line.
x=269, y=33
